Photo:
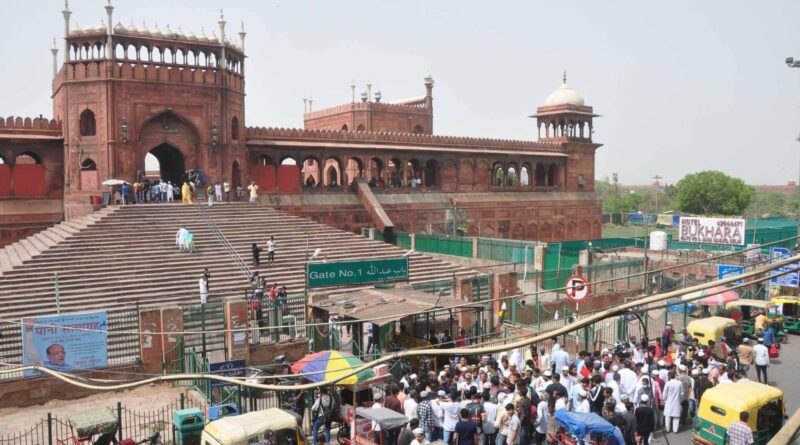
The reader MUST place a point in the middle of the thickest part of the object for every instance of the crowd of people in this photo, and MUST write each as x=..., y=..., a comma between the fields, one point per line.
x=158, y=191
x=637, y=386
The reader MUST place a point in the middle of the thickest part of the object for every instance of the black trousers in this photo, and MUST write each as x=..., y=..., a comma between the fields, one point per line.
x=762, y=369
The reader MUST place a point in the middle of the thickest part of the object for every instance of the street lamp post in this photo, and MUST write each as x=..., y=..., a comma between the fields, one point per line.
x=791, y=63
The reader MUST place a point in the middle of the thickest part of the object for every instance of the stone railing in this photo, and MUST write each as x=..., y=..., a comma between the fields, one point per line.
x=387, y=137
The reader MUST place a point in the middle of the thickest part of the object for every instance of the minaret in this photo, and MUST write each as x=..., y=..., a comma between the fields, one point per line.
x=66, y=13
x=224, y=58
x=242, y=35
x=353, y=90
x=428, y=91
x=54, y=50
x=109, y=31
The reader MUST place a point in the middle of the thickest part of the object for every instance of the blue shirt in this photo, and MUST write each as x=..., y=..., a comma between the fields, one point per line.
x=769, y=337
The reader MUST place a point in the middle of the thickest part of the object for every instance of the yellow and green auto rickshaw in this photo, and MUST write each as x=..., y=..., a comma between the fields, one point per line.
x=712, y=328
x=721, y=405
x=250, y=428
x=748, y=310
x=788, y=306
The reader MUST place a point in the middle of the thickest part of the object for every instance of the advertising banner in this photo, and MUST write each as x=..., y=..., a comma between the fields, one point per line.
x=357, y=272
x=729, y=231
x=65, y=342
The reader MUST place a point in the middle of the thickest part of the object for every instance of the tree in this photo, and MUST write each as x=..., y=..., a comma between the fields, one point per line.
x=713, y=193
x=771, y=204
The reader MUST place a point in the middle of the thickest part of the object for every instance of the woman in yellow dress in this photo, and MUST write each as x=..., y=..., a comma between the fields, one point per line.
x=186, y=194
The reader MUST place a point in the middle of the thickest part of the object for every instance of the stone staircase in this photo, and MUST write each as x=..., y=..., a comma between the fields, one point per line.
x=27, y=248
x=126, y=257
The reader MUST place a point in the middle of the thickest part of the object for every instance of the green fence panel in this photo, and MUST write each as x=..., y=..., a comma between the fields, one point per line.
x=510, y=251
x=403, y=240
x=456, y=246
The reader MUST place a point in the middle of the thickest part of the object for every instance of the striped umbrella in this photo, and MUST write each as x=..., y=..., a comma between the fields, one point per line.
x=327, y=365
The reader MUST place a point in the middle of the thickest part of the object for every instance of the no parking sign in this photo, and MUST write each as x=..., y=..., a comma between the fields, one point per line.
x=577, y=288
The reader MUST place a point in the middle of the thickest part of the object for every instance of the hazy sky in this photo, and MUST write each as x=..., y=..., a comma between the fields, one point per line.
x=682, y=85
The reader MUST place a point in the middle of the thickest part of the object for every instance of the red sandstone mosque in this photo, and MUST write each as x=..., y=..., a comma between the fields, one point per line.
x=122, y=92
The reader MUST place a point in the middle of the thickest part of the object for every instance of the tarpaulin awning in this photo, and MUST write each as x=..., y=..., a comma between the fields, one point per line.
x=716, y=296
x=383, y=306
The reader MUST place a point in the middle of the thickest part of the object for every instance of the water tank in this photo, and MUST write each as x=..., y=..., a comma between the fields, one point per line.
x=658, y=240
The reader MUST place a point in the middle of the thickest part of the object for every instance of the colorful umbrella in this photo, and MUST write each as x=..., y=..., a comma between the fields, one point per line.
x=327, y=365
x=716, y=296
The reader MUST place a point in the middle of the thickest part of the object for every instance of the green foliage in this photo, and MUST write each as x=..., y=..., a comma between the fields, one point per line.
x=771, y=205
x=712, y=193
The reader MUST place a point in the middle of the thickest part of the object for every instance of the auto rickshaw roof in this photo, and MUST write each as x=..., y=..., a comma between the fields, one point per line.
x=762, y=304
x=785, y=299
x=711, y=323
x=741, y=396
x=386, y=418
x=237, y=429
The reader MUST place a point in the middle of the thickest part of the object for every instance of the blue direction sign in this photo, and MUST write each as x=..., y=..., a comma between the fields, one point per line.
x=790, y=279
x=726, y=270
x=230, y=368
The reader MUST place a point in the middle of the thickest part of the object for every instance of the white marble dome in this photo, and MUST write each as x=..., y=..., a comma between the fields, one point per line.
x=564, y=95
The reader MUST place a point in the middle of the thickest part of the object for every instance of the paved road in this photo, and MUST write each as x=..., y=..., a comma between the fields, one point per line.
x=782, y=373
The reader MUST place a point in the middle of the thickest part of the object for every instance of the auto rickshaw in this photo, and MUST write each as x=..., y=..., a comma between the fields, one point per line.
x=788, y=306
x=721, y=405
x=747, y=322
x=249, y=428
x=386, y=418
x=712, y=328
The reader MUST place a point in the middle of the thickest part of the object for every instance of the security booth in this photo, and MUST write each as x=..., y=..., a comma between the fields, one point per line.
x=372, y=322
x=188, y=424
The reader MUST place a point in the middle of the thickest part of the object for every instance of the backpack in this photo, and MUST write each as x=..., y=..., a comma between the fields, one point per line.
x=326, y=412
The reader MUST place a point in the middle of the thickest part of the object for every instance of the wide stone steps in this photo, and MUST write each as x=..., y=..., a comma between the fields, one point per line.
x=126, y=257
x=26, y=249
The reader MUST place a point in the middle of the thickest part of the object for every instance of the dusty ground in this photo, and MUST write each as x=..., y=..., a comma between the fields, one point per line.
x=143, y=399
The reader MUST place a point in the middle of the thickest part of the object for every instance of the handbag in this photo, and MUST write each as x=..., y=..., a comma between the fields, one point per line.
x=773, y=351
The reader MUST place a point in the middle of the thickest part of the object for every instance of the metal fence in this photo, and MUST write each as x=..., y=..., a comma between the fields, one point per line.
x=55, y=428
x=286, y=314
x=199, y=320
x=123, y=342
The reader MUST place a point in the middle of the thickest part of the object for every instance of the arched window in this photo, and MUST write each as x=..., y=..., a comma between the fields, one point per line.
x=288, y=160
x=361, y=128
x=88, y=126
x=525, y=175
x=552, y=175
x=235, y=128
x=511, y=176
x=344, y=127
x=88, y=164
x=417, y=129
x=264, y=160
x=497, y=174
x=27, y=158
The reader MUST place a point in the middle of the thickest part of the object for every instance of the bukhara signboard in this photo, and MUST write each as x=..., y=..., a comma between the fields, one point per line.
x=728, y=231
x=357, y=272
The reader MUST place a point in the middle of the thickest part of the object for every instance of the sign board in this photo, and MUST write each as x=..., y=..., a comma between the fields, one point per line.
x=357, y=272
x=790, y=279
x=727, y=270
x=230, y=368
x=577, y=288
x=753, y=254
x=65, y=343
x=729, y=231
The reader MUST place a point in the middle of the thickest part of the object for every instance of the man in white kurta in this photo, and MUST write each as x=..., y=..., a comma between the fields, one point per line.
x=180, y=238
x=673, y=395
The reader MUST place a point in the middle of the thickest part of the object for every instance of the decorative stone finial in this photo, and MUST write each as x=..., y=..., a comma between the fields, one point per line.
x=564, y=79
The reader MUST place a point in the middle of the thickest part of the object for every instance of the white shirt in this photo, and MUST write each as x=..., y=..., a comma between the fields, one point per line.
x=416, y=442
x=761, y=354
x=170, y=189
x=438, y=413
x=410, y=408
x=451, y=410
x=375, y=425
x=203, y=285
x=180, y=237
x=583, y=407
x=614, y=386
x=270, y=246
x=163, y=187
x=627, y=382
x=491, y=413
x=561, y=403
x=217, y=189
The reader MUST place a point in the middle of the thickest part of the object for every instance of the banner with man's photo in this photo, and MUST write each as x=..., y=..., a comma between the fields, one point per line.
x=66, y=343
